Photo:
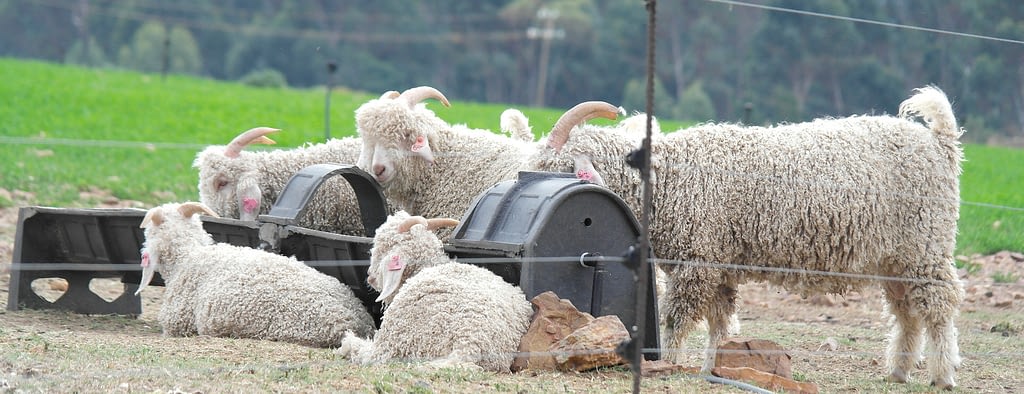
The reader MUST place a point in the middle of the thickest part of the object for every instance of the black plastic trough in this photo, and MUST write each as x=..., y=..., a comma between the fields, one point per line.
x=543, y=231
x=560, y=234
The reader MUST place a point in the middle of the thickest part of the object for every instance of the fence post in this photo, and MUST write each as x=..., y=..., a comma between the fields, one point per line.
x=331, y=68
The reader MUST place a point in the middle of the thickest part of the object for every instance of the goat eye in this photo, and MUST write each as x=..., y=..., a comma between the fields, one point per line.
x=221, y=183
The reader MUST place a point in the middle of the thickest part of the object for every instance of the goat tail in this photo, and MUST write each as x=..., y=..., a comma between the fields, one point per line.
x=931, y=104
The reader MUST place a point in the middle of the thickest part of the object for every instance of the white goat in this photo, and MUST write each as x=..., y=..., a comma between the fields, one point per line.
x=426, y=166
x=229, y=291
x=437, y=309
x=860, y=198
x=240, y=184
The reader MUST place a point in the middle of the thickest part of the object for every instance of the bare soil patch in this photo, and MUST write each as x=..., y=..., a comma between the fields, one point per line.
x=57, y=351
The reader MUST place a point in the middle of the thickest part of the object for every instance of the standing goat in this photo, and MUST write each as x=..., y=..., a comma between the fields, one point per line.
x=428, y=167
x=241, y=184
x=825, y=206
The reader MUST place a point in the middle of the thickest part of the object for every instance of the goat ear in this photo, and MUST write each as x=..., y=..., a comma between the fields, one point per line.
x=584, y=169
x=250, y=198
x=391, y=278
x=421, y=148
x=150, y=262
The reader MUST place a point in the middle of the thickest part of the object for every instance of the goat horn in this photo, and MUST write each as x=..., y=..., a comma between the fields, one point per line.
x=191, y=208
x=154, y=217
x=436, y=223
x=582, y=112
x=391, y=94
x=412, y=221
x=414, y=95
x=256, y=135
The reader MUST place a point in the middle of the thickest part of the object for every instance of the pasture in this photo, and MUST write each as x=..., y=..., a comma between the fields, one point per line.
x=89, y=138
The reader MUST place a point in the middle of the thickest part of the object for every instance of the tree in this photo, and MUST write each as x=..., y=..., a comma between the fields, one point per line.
x=152, y=42
x=695, y=104
x=634, y=98
x=87, y=55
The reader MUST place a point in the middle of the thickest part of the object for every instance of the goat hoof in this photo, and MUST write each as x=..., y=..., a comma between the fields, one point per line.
x=943, y=385
x=896, y=377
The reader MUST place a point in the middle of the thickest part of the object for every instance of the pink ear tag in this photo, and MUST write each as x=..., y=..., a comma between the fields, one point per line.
x=395, y=264
x=249, y=204
x=145, y=259
x=420, y=143
x=584, y=175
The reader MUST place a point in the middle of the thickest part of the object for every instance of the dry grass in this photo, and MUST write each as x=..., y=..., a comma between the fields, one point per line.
x=49, y=351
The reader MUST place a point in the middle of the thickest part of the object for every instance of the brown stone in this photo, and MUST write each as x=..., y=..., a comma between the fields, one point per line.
x=765, y=380
x=553, y=319
x=759, y=354
x=591, y=346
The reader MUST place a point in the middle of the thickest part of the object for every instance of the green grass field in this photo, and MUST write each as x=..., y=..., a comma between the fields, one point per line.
x=66, y=129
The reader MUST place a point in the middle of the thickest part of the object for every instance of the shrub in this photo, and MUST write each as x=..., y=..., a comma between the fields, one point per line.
x=265, y=78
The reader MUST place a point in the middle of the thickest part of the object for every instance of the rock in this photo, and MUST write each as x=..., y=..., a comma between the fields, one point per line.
x=591, y=346
x=760, y=354
x=765, y=380
x=553, y=319
x=1019, y=257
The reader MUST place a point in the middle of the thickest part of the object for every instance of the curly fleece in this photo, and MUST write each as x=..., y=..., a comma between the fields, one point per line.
x=450, y=313
x=229, y=291
x=871, y=195
x=467, y=161
x=333, y=209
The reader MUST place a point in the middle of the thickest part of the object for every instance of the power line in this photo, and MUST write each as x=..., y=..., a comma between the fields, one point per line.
x=867, y=21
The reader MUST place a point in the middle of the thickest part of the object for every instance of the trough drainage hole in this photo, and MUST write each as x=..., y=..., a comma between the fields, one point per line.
x=587, y=222
x=108, y=289
x=51, y=289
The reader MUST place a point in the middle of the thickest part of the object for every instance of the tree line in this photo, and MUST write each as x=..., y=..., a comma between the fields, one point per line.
x=758, y=61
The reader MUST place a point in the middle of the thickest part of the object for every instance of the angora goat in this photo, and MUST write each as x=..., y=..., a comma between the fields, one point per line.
x=428, y=167
x=241, y=184
x=864, y=199
x=230, y=291
x=451, y=313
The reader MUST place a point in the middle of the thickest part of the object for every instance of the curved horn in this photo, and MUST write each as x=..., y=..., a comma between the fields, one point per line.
x=436, y=223
x=391, y=94
x=582, y=112
x=191, y=208
x=412, y=221
x=414, y=95
x=255, y=135
x=154, y=216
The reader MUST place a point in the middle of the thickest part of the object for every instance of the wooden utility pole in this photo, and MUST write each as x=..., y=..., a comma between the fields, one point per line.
x=546, y=33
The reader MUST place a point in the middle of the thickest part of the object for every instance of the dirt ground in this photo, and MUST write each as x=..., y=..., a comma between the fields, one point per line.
x=835, y=342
